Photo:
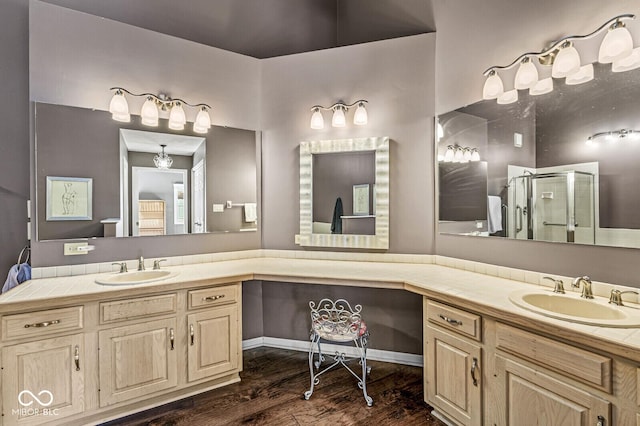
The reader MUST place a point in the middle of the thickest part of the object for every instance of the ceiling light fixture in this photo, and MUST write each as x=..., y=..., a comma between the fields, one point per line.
x=611, y=136
x=150, y=111
x=565, y=61
x=460, y=154
x=162, y=159
x=338, y=119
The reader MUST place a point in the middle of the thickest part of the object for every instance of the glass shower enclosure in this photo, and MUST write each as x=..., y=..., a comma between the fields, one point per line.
x=557, y=206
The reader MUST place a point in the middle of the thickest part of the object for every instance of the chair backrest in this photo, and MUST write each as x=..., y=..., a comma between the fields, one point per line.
x=336, y=318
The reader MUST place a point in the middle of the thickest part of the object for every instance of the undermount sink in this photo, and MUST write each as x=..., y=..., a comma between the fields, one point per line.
x=136, y=277
x=571, y=307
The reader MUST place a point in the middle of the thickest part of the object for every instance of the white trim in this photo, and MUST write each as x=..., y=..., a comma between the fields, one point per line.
x=303, y=346
x=442, y=418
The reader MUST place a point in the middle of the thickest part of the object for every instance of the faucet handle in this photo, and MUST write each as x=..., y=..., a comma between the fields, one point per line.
x=616, y=296
x=558, y=285
x=587, y=292
x=123, y=266
x=156, y=263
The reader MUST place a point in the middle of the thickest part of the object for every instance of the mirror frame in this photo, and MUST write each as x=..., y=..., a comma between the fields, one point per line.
x=379, y=241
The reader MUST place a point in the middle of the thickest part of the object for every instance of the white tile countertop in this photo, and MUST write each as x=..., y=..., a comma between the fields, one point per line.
x=484, y=291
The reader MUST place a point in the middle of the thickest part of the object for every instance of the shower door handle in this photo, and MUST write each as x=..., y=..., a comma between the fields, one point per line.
x=518, y=219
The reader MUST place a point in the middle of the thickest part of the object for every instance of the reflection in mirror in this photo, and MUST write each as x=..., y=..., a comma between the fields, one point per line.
x=211, y=185
x=561, y=167
x=344, y=193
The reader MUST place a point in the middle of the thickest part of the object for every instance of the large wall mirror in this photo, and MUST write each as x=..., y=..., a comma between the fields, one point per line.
x=211, y=185
x=344, y=193
x=559, y=167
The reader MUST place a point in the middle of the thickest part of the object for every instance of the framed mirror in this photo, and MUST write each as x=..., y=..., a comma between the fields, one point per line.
x=344, y=193
x=211, y=185
x=560, y=167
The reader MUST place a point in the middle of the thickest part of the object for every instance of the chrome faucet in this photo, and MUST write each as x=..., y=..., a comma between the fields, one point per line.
x=616, y=296
x=558, y=285
x=141, y=264
x=587, y=293
x=156, y=263
x=122, y=265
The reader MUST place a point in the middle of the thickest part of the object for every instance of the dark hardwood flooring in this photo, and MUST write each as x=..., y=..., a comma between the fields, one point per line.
x=271, y=389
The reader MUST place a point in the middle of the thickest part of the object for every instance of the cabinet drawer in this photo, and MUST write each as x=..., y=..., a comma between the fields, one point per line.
x=122, y=310
x=213, y=296
x=576, y=363
x=41, y=323
x=463, y=322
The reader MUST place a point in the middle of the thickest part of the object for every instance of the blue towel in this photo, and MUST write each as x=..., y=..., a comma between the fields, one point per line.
x=17, y=275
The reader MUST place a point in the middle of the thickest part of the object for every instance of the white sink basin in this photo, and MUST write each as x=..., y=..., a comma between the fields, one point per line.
x=136, y=277
x=571, y=307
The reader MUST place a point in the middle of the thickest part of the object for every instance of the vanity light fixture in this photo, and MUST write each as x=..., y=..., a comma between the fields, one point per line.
x=565, y=61
x=162, y=159
x=338, y=119
x=611, y=136
x=460, y=154
x=150, y=112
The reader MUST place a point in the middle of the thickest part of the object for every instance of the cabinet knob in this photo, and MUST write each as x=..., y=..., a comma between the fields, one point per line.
x=474, y=366
x=601, y=421
x=172, y=338
x=76, y=357
x=192, y=334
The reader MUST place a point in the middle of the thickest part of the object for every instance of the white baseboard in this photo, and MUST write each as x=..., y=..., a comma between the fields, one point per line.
x=327, y=348
x=442, y=418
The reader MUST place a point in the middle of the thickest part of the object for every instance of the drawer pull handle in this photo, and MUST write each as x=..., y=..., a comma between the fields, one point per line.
x=172, y=338
x=76, y=357
x=474, y=366
x=451, y=321
x=192, y=334
x=42, y=324
x=213, y=298
x=601, y=421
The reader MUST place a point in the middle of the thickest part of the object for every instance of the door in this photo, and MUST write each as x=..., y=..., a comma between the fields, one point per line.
x=152, y=217
x=453, y=378
x=534, y=398
x=213, y=342
x=43, y=381
x=137, y=360
x=198, y=218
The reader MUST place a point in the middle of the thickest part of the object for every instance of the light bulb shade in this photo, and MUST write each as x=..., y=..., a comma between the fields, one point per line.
x=475, y=155
x=616, y=45
x=508, y=97
x=149, y=113
x=466, y=155
x=119, y=107
x=203, y=120
x=338, y=119
x=526, y=76
x=177, y=118
x=449, y=154
x=317, y=121
x=584, y=74
x=162, y=160
x=200, y=129
x=360, y=118
x=542, y=86
x=629, y=63
x=458, y=157
x=567, y=62
x=493, y=86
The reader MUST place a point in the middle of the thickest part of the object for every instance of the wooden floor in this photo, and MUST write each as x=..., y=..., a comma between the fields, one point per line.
x=271, y=389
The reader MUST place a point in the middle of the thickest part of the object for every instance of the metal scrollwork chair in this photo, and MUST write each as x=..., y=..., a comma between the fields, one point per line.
x=336, y=321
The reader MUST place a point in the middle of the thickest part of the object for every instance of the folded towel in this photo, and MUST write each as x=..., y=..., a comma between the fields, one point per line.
x=494, y=214
x=17, y=275
x=250, y=212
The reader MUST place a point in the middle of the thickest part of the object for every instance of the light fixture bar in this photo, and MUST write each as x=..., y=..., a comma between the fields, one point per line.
x=161, y=99
x=339, y=109
x=622, y=133
x=553, y=47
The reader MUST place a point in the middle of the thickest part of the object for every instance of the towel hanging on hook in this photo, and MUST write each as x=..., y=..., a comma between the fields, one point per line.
x=20, y=272
x=27, y=250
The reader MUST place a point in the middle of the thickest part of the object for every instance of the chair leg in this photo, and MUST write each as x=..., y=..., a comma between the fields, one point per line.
x=315, y=339
x=365, y=370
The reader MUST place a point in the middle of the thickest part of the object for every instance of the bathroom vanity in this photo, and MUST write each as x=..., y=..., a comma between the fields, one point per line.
x=106, y=351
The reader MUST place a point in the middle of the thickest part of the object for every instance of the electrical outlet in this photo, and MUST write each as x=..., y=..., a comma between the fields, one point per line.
x=218, y=208
x=73, y=249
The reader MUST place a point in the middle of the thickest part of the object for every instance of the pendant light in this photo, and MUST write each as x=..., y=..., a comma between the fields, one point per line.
x=149, y=113
x=567, y=61
x=493, y=86
x=527, y=74
x=338, y=119
x=317, y=121
x=617, y=44
x=119, y=107
x=177, y=117
x=360, y=117
x=162, y=160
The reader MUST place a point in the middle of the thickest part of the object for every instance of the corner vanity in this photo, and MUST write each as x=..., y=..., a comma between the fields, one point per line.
x=96, y=352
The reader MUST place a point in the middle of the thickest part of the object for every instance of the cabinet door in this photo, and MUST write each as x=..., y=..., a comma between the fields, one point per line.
x=534, y=398
x=213, y=342
x=452, y=376
x=137, y=360
x=43, y=381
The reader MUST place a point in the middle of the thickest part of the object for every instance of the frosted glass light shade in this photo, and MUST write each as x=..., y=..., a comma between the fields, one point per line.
x=567, y=62
x=449, y=154
x=475, y=155
x=458, y=157
x=629, y=63
x=526, y=76
x=177, y=118
x=508, y=97
x=200, y=129
x=616, y=45
x=203, y=120
x=466, y=155
x=317, y=121
x=493, y=87
x=542, y=86
x=360, y=118
x=119, y=107
x=149, y=113
x=584, y=74
x=338, y=119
